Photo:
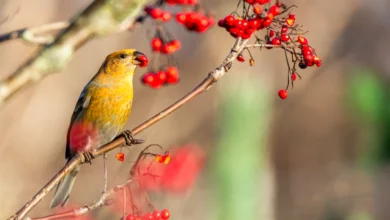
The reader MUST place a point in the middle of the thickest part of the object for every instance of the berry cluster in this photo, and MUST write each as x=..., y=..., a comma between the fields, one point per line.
x=278, y=23
x=310, y=58
x=192, y=17
x=155, y=215
x=158, y=14
x=163, y=77
x=195, y=21
x=158, y=45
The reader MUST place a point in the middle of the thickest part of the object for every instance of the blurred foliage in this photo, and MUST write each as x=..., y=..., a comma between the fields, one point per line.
x=240, y=156
x=369, y=102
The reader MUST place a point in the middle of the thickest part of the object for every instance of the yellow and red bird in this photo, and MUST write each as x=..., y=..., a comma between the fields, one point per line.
x=101, y=111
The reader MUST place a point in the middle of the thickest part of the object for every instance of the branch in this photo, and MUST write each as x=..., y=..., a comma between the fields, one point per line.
x=79, y=159
x=102, y=201
x=100, y=18
x=31, y=35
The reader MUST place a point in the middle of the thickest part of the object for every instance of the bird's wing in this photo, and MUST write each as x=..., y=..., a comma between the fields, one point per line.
x=82, y=103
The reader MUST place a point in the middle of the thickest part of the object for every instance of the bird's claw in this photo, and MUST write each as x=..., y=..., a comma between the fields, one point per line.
x=88, y=156
x=129, y=138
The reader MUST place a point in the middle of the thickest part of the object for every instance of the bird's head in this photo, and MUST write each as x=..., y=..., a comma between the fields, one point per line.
x=124, y=62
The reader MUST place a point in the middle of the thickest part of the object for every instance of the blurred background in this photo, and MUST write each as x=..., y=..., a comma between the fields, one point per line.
x=322, y=154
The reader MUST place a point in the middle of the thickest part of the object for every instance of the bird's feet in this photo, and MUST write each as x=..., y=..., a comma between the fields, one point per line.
x=129, y=138
x=88, y=156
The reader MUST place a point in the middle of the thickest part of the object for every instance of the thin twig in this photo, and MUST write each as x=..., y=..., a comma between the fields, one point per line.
x=79, y=158
x=102, y=201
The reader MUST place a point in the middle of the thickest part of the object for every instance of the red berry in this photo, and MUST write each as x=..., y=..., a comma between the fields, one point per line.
x=165, y=214
x=241, y=58
x=267, y=22
x=284, y=37
x=144, y=61
x=257, y=9
x=276, y=41
x=148, y=216
x=271, y=33
x=293, y=76
x=245, y=24
x=130, y=217
x=156, y=214
x=156, y=44
x=238, y=23
x=229, y=20
x=148, y=78
x=172, y=75
x=221, y=23
x=181, y=17
x=155, y=13
x=120, y=156
x=283, y=94
x=284, y=29
x=302, y=40
x=166, y=16
x=176, y=44
x=251, y=1
x=274, y=10
x=161, y=76
x=254, y=23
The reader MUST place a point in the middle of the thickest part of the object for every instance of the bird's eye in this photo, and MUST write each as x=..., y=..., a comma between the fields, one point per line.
x=123, y=56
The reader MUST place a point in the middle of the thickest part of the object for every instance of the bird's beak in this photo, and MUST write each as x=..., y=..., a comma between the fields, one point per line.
x=140, y=59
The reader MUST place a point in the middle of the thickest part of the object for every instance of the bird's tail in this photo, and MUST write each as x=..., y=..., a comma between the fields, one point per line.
x=63, y=189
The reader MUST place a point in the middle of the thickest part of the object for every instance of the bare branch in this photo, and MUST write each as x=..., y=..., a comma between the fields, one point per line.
x=102, y=201
x=100, y=18
x=79, y=159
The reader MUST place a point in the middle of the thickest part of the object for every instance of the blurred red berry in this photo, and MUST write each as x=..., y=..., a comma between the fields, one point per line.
x=165, y=214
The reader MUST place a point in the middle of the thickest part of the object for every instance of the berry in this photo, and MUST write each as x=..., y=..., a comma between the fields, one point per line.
x=130, y=217
x=251, y=62
x=271, y=33
x=120, y=156
x=302, y=65
x=165, y=214
x=302, y=40
x=284, y=29
x=181, y=17
x=276, y=41
x=144, y=61
x=166, y=158
x=241, y=58
x=257, y=9
x=156, y=44
x=283, y=94
x=148, y=216
x=161, y=77
x=172, y=75
x=155, y=13
x=229, y=20
x=293, y=76
x=284, y=37
x=274, y=10
x=290, y=20
x=157, y=214
x=166, y=16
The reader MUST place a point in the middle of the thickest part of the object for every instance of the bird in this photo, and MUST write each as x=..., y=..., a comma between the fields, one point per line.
x=101, y=112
